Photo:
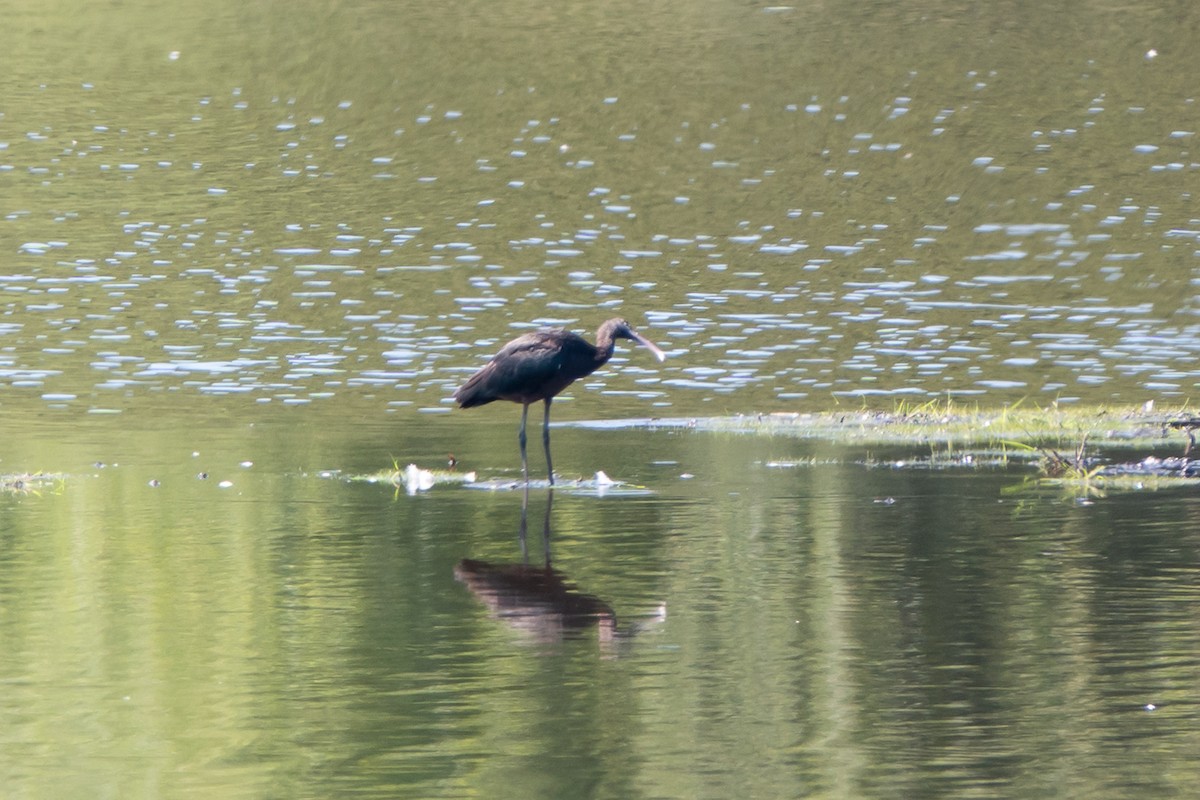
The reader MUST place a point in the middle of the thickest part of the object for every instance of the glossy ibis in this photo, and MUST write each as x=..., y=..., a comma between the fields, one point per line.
x=537, y=366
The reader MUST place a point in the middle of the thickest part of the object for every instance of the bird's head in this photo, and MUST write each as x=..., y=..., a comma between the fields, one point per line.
x=622, y=330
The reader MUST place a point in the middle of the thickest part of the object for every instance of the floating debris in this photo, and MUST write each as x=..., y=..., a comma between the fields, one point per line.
x=30, y=482
x=412, y=479
x=417, y=479
x=600, y=485
x=1169, y=467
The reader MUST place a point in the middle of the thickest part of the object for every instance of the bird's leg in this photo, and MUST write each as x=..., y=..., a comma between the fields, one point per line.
x=521, y=439
x=546, y=440
x=546, y=527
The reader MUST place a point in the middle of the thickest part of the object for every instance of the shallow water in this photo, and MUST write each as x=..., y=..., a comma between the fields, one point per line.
x=777, y=617
x=250, y=250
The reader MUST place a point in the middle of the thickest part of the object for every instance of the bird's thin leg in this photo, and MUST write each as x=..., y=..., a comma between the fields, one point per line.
x=546, y=440
x=521, y=439
x=546, y=527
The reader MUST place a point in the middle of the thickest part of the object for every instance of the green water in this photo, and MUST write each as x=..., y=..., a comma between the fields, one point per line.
x=249, y=251
x=807, y=205
x=776, y=619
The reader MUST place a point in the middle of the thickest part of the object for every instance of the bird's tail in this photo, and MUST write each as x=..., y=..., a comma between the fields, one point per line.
x=473, y=393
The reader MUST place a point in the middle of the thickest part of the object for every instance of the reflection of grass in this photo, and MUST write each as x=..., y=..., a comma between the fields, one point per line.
x=1096, y=485
x=30, y=482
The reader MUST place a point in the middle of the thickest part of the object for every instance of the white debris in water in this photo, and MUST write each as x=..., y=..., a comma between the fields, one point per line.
x=417, y=479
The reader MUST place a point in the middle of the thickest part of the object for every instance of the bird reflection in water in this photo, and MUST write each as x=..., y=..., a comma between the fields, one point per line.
x=539, y=600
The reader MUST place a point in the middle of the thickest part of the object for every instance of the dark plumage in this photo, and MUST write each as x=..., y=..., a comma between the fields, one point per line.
x=537, y=366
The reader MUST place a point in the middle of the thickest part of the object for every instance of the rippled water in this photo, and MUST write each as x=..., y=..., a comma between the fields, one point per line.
x=933, y=225
x=218, y=609
x=250, y=250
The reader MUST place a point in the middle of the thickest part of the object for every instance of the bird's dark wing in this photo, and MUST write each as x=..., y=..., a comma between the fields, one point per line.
x=523, y=371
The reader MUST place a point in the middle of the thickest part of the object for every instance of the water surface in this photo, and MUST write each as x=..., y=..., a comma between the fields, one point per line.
x=777, y=617
x=807, y=206
x=251, y=249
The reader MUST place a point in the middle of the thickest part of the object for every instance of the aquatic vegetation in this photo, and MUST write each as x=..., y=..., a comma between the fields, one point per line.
x=945, y=422
x=1080, y=448
x=30, y=482
x=1062, y=442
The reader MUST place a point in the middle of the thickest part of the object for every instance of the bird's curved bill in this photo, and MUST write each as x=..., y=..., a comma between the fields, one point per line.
x=649, y=345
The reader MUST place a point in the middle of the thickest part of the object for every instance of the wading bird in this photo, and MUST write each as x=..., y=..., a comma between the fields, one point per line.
x=539, y=365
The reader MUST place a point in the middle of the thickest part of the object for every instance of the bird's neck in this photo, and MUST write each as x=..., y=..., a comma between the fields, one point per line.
x=604, y=349
x=605, y=344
